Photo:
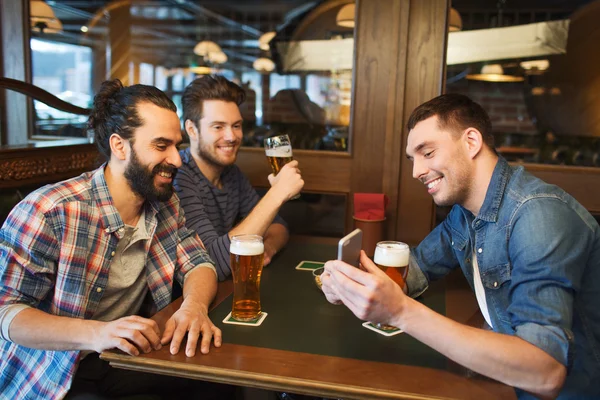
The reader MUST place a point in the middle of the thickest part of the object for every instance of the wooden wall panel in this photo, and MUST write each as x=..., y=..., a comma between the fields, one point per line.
x=322, y=171
x=580, y=182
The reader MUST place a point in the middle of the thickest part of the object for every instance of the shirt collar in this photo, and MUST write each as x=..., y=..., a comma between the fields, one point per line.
x=495, y=192
x=111, y=219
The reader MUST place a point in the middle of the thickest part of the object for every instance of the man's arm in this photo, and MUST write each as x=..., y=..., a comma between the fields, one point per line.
x=39, y=330
x=374, y=297
x=275, y=238
x=199, y=289
x=284, y=186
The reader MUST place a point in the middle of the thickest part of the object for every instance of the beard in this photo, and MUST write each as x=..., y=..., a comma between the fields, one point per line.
x=141, y=179
x=208, y=154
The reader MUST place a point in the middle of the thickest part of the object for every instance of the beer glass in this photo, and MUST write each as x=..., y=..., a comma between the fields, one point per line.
x=279, y=152
x=392, y=258
x=247, y=253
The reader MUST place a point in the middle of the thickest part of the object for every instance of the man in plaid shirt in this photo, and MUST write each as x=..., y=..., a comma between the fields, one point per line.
x=83, y=259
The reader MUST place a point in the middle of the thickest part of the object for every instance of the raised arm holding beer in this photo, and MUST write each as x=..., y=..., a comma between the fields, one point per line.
x=218, y=200
x=529, y=250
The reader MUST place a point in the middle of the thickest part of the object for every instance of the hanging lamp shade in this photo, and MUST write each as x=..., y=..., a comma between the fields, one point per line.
x=345, y=17
x=48, y=27
x=205, y=47
x=263, y=64
x=494, y=73
x=41, y=11
x=42, y=18
x=264, y=39
x=455, y=21
x=217, y=58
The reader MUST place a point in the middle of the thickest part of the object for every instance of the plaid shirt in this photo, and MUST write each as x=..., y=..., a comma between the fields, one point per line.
x=55, y=252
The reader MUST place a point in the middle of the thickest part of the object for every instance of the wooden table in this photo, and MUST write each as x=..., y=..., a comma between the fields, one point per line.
x=309, y=346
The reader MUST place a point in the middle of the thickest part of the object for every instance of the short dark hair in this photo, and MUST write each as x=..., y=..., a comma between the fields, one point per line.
x=115, y=111
x=208, y=87
x=455, y=112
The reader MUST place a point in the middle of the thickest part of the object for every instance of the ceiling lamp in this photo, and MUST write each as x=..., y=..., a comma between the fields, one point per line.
x=206, y=47
x=263, y=64
x=535, y=67
x=48, y=27
x=201, y=70
x=345, y=17
x=494, y=73
x=455, y=21
x=42, y=16
x=217, y=58
x=264, y=39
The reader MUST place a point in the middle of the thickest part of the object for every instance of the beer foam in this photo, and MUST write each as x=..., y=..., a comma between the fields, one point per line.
x=247, y=248
x=284, y=151
x=392, y=255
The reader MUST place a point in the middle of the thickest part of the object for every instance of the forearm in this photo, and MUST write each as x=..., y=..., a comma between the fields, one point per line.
x=506, y=358
x=39, y=330
x=276, y=237
x=260, y=218
x=199, y=288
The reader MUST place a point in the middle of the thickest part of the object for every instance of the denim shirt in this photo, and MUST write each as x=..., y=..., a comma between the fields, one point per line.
x=538, y=252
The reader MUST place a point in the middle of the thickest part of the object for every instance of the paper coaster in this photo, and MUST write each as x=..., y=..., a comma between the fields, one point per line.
x=390, y=332
x=309, y=265
x=230, y=320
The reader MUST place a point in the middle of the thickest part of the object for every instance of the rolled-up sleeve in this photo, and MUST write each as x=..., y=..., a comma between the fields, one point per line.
x=548, y=247
x=191, y=253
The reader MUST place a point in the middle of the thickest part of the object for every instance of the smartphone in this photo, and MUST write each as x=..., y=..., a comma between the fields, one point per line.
x=349, y=247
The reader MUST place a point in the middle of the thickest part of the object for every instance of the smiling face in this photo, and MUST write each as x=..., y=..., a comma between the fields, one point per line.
x=154, y=156
x=441, y=161
x=219, y=134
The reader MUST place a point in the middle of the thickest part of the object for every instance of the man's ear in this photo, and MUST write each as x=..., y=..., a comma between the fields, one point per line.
x=119, y=146
x=473, y=141
x=191, y=129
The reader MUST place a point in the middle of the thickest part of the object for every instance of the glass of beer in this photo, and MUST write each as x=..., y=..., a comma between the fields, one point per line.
x=392, y=258
x=279, y=153
x=247, y=253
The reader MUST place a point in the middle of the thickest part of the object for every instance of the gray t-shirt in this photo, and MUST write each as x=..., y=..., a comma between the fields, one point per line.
x=213, y=212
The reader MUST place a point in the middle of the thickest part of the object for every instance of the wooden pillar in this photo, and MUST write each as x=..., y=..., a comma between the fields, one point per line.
x=17, y=118
x=119, y=33
x=400, y=57
x=99, y=66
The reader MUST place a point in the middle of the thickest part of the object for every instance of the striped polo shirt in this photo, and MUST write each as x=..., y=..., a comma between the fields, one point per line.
x=213, y=212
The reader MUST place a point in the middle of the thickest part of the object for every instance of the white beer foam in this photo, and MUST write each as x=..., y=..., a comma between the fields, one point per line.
x=247, y=248
x=392, y=255
x=284, y=151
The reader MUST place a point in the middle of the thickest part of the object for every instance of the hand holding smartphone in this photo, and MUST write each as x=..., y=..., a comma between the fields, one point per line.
x=349, y=248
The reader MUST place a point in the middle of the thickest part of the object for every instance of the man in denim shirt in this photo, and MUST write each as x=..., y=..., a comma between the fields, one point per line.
x=529, y=250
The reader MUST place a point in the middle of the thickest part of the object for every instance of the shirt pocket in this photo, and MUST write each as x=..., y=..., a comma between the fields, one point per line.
x=496, y=281
x=494, y=278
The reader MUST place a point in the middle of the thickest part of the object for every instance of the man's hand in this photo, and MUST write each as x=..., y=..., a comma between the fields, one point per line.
x=371, y=295
x=129, y=334
x=328, y=287
x=191, y=318
x=288, y=182
x=269, y=253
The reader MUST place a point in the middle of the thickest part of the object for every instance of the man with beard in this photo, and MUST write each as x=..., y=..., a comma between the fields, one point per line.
x=83, y=260
x=218, y=200
x=528, y=249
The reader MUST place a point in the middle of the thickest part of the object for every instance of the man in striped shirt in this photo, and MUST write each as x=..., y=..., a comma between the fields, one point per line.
x=82, y=260
x=218, y=200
